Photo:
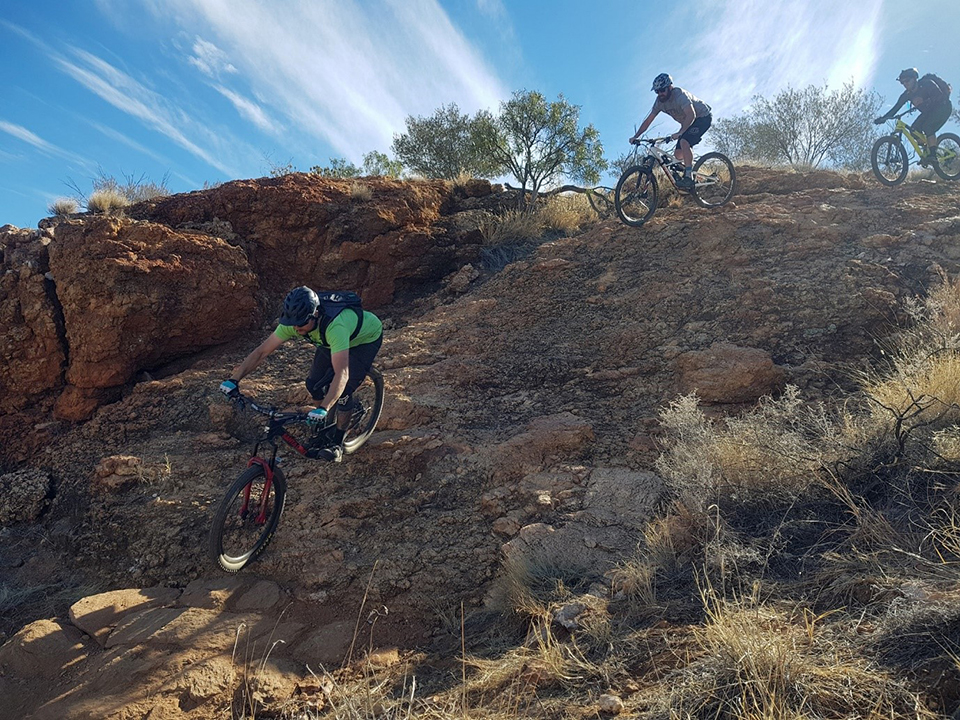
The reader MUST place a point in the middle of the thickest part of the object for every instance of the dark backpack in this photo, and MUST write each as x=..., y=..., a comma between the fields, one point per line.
x=332, y=304
x=945, y=87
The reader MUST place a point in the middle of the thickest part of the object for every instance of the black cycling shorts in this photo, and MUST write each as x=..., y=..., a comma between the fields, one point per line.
x=361, y=359
x=932, y=120
x=698, y=127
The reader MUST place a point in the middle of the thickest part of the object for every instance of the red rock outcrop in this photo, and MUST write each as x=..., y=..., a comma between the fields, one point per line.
x=373, y=235
x=136, y=294
x=31, y=350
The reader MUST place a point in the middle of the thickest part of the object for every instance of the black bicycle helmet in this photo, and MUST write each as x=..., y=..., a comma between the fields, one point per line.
x=661, y=82
x=299, y=306
x=908, y=74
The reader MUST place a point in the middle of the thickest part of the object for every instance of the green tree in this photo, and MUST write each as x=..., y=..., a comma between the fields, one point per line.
x=539, y=142
x=378, y=163
x=338, y=168
x=443, y=145
x=804, y=128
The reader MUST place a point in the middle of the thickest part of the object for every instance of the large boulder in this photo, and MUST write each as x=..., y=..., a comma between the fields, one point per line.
x=727, y=373
x=137, y=294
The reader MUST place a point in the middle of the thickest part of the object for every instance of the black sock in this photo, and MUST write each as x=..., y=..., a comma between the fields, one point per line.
x=338, y=436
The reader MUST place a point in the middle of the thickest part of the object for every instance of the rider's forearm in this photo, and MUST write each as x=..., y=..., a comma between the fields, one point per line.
x=895, y=109
x=337, y=386
x=248, y=365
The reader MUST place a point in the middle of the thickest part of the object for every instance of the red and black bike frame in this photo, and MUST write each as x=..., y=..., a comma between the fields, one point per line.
x=268, y=467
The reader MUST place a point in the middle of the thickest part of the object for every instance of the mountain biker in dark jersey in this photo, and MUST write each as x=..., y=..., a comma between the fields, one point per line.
x=693, y=115
x=934, y=105
x=339, y=364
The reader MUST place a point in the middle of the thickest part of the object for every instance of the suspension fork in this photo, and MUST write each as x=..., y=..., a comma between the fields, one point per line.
x=268, y=481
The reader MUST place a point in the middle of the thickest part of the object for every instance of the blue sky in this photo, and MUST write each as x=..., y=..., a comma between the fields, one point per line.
x=205, y=91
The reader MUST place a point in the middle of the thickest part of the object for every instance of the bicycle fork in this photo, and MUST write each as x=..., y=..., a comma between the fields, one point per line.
x=261, y=517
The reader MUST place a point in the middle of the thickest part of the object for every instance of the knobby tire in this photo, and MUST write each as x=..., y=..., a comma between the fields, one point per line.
x=370, y=398
x=949, y=169
x=889, y=160
x=636, y=195
x=236, y=539
x=716, y=180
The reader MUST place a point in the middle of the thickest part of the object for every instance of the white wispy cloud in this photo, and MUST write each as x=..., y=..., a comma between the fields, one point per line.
x=755, y=47
x=344, y=71
x=127, y=94
x=48, y=148
x=153, y=109
x=210, y=60
x=250, y=110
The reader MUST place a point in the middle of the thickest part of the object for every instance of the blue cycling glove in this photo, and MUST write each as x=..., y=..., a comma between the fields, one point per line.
x=230, y=389
x=316, y=416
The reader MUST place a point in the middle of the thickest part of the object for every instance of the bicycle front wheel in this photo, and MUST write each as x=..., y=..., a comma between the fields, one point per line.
x=635, y=197
x=947, y=163
x=247, y=518
x=366, y=412
x=889, y=160
x=716, y=180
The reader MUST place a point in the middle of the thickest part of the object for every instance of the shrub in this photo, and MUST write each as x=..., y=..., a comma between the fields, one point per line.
x=771, y=452
x=63, y=207
x=804, y=128
x=133, y=189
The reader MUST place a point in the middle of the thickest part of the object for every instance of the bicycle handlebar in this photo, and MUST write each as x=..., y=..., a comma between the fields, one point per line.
x=651, y=141
x=244, y=401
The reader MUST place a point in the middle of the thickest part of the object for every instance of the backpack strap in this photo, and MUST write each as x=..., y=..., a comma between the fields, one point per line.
x=359, y=313
x=325, y=323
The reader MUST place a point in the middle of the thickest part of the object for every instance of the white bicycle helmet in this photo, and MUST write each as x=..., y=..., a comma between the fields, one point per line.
x=661, y=82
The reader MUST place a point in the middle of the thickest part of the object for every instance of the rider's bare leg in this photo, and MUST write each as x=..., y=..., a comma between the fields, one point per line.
x=685, y=153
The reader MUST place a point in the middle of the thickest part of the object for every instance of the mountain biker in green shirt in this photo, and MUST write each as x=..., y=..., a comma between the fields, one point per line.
x=693, y=115
x=931, y=99
x=340, y=363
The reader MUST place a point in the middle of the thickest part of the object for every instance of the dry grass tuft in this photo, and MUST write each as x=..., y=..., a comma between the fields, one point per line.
x=513, y=226
x=360, y=192
x=760, y=661
x=460, y=181
x=565, y=213
x=63, y=207
x=107, y=202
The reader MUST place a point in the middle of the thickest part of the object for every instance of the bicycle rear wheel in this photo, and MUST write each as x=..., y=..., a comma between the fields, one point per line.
x=889, y=160
x=947, y=164
x=635, y=197
x=716, y=180
x=366, y=412
x=247, y=518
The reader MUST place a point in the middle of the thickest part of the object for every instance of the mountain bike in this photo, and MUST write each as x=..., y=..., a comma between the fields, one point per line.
x=891, y=161
x=249, y=513
x=636, y=195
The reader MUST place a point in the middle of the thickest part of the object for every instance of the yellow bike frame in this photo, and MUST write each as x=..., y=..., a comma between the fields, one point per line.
x=918, y=141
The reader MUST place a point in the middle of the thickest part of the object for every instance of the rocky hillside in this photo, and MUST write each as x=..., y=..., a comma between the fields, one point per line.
x=521, y=412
